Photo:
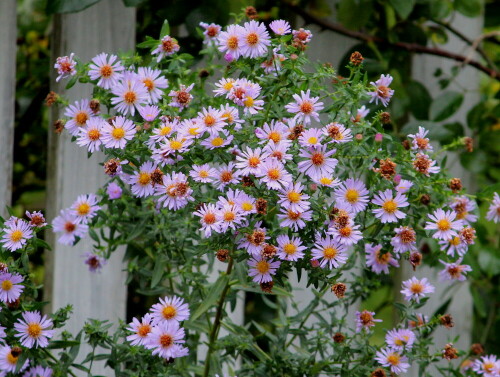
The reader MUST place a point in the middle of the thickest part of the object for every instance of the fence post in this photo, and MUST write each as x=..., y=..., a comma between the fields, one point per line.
x=107, y=26
x=8, y=33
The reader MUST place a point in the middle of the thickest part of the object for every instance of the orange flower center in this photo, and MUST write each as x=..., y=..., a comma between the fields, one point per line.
x=318, y=159
x=106, y=71
x=252, y=39
x=329, y=252
x=166, y=340
x=149, y=84
x=169, y=312
x=444, y=225
x=16, y=236
x=294, y=197
x=34, y=329
x=232, y=43
x=274, y=174
x=69, y=227
x=253, y=162
x=229, y=216
x=226, y=176
x=94, y=134
x=81, y=118
x=118, y=133
x=144, y=178
x=290, y=248
x=262, y=266
x=390, y=206
x=83, y=209
x=274, y=136
x=209, y=218
x=416, y=288
x=209, y=120
x=130, y=97
x=306, y=107
x=143, y=330
x=393, y=359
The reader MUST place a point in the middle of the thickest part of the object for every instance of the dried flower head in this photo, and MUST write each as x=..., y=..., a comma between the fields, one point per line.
x=467, y=235
x=379, y=372
x=406, y=144
x=296, y=131
x=247, y=181
x=261, y=206
x=356, y=58
x=477, y=349
x=251, y=13
x=95, y=106
x=338, y=337
x=267, y=287
x=415, y=259
x=51, y=98
x=468, y=144
x=425, y=199
x=447, y=321
x=339, y=289
x=268, y=251
x=59, y=126
x=385, y=117
x=387, y=168
x=222, y=254
x=157, y=177
x=455, y=185
x=4, y=267
x=112, y=166
x=449, y=352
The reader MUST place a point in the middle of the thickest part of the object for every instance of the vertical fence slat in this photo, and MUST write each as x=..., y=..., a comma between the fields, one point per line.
x=108, y=27
x=8, y=33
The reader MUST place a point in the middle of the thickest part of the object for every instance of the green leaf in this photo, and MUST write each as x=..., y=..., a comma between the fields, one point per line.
x=212, y=297
x=475, y=116
x=469, y=8
x=445, y=105
x=148, y=44
x=165, y=29
x=71, y=82
x=440, y=9
x=354, y=14
x=479, y=301
x=157, y=272
x=68, y=6
x=403, y=7
x=420, y=100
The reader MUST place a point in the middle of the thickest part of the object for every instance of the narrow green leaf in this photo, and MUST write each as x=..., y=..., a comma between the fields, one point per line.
x=158, y=272
x=212, y=297
x=165, y=29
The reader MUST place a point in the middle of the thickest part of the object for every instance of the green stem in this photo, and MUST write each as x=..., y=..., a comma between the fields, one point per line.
x=217, y=321
x=57, y=361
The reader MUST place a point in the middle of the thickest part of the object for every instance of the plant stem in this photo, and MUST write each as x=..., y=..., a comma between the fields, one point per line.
x=217, y=320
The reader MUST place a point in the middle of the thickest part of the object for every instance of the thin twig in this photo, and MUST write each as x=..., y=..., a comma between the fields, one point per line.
x=410, y=47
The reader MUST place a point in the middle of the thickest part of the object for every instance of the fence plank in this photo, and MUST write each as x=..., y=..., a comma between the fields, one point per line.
x=8, y=33
x=105, y=27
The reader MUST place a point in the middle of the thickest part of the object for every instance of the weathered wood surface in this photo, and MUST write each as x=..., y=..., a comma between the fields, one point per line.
x=8, y=33
x=105, y=27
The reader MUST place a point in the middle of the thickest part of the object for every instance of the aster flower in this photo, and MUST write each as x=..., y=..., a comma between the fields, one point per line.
x=443, y=223
x=389, y=211
x=302, y=35
x=261, y=269
x=280, y=27
x=190, y=129
x=217, y=140
x=274, y=174
x=294, y=220
x=365, y=320
x=210, y=120
x=423, y=164
x=254, y=39
x=400, y=340
x=404, y=186
x=79, y=113
x=38, y=371
x=337, y=132
x=382, y=91
x=361, y=113
x=211, y=31
x=202, y=173
x=419, y=141
x=68, y=224
x=230, y=42
x=140, y=329
x=229, y=216
x=85, y=208
x=168, y=46
x=226, y=174
x=392, y=359
x=175, y=192
x=327, y=180
x=149, y=112
x=106, y=69
x=65, y=66
x=140, y=181
x=94, y=261
x=404, y=240
x=254, y=242
x=177, y=144
x=208, y=218
x=463, y=207
x=114, y=191
x=153, y=81
x=454, y=271
x=92, y=134
x=278, y=150
x=290, y=248
x=292, y=197
x=274, y=131
x=130, y=94
x=231, y=116
x=311, y=138
x=453, y=245
x=245, y=203
x=487, y=366
x=379, y=262
x=224, y=86
x=9, y=359
x=414, y=289
x=250, y=161
x=116, y=134
x=329, y=252
x=354, y=193
x=36, y=219
x=494, y=209
x=318, y=162
x=16, y=234
x=347, y=235
x=169, y=309
x=32, y=330
x=10, y=287
x=181, y=98
x=305, y=107
x=166, y=340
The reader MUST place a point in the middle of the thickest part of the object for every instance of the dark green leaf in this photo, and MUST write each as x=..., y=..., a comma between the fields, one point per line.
x=71, y=82
x=445, y=105
x=132, y=3
x=420, y=100
x=212, y=297
x=469, y=8
x=440, y=9
x=403, y=7
x=68, y=6
x=354, y=14
x=157, y=272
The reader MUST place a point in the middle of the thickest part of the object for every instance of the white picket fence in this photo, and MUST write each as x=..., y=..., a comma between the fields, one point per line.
x=109, y=26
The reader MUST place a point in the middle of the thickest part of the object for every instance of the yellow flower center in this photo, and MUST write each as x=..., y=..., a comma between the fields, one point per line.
x=246, y=206
x=203, y=174
x=290, y=248
x=294, y=197
x=390, y=206
x=217, y=141
x=144, y=179
x=175, y=145
x=118, y=133
x=16, y=236
x=209, y=120
x=12, y=359
x=262, y=266
x=94, y=134
x=169, y=312
x=253, y=162
x=83, y=209
x=444, y=225
x=7, y=285
x=352, y=196
x=249, y=101
x=325, y=181
x=455, y=241
x=329, y=252
x=81, y=118
x=312, y=140
x=229, y=216
x=416, y=288
x=165, y=130
x=193, y=131
x=228, y=85
x=274, y=136
x=149, y=84
x=34, y=329
x=393, y=359
x=274, y=174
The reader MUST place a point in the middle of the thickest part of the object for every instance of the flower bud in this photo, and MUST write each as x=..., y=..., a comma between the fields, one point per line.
x=379, y=138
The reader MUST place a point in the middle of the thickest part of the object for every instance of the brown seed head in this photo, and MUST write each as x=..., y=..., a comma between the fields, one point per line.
x=338, y=337
x=268, y=251
x=385, y=117
x=222, y=254
x=111, y=167
x=203, y=74
x=379, y=372
x=406, y=144
x=51, y=98
x=267, y=287
x=356, y=58
x=415, y=259
x=95, y=106
x=425, y=199
x=14, y=304
x=425, y=249
x=339, y=289
x=261, y=206
x=247, y=181
x=467, y=235
x=468, y=144
x=157, y=177
x=449, y=352
x=447, y=321
x=387, y=168
x=477, y=349
x=59, y=126
x=296, y=132
x=251, y=13
x=455, y=185
x=16, y=351
x=298, y=44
